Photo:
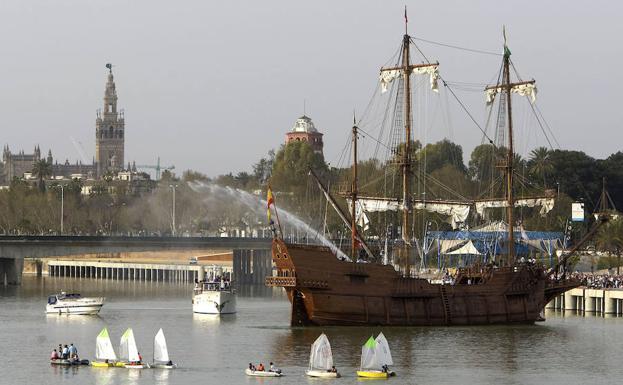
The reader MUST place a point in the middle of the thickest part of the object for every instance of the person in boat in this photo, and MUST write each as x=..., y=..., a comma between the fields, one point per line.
x=65, y=354
x=260, y=367
x=385, y=369
x=72, y=350
x=251, y=367
x=332, y=370
x=273, y=368
x=54, y=355
x=170, y=363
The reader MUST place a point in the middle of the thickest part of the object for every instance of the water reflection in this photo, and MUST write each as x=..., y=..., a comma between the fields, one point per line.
x=161, y=376
x=105, y=376
x=213, y=319
x=71, y=320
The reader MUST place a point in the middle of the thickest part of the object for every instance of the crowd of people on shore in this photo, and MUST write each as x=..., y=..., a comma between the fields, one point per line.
x=599, y=281
x=65, y=353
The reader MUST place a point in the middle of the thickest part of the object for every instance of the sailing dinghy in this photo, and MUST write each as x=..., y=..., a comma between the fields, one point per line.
x=128, y=352
x=321, y=359
x=161, y=353
x=376, y=358
x=104, y=352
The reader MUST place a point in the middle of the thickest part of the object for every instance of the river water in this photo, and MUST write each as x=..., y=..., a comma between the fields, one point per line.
x=566, y=350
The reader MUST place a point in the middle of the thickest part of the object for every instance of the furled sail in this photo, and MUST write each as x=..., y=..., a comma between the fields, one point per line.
x=387, y=76
x=547, y=204
x=321, y=356
x=103, y=347
x=457, y=211
x=161, y=353
x=523, y=89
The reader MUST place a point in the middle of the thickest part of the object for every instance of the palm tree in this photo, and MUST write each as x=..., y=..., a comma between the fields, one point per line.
x=42, y=169
x=610, y=240
x=540, y=163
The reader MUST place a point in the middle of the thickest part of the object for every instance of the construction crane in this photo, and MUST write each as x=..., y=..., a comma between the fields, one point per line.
x=156, y=167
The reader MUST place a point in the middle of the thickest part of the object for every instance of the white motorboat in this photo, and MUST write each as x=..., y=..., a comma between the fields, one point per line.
x=128, y=352
x=214, y=297
x=73, y=303
x=161, y=353
x=321, y=359
x=262, y=373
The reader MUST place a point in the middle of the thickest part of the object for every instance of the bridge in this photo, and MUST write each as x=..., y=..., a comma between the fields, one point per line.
x=14, y=248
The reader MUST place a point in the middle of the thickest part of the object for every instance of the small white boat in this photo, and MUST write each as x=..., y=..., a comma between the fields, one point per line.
x=214, y=297
x=73, y=303
x=128, y=352
x=104, y=352
x=161, y=358
x=321, y=359
x=262, y=373
x=376, y=358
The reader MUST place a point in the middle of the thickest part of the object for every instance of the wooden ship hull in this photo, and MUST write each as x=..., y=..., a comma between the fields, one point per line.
x=326, y=291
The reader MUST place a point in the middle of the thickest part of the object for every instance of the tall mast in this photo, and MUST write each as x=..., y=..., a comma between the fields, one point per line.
x=404, y=70
x=406, y=155
x=510, y=156
x=354, y=196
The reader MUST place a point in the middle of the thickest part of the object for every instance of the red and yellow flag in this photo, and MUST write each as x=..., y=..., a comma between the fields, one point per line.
x=269, y=201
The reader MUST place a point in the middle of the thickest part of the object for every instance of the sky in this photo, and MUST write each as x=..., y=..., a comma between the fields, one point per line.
x=214, y=85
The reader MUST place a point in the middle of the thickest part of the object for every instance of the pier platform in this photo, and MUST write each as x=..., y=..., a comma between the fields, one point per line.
x=158, y=272
x=588, y=300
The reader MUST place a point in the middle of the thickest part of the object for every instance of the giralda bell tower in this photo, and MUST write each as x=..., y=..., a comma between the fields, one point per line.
x=109, y=132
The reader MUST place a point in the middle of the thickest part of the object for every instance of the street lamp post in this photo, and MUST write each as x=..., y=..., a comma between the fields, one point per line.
x=173, y=187
x=62, y=206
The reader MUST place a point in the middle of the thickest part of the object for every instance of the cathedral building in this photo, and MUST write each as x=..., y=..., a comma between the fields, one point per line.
x=304, y=130
x=109, y=148
x=109, y=132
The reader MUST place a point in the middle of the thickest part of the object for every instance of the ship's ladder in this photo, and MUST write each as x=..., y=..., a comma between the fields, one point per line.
x=446, y=305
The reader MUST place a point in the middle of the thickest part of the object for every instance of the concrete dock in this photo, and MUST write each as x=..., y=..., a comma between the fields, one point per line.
x=587, y=300
x=157, y=272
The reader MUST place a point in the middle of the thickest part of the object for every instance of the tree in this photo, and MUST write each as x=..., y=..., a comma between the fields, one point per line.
x=437, y=155
x=263, y=168
x=540, y=164
x=610, y=240
x=577, y=175
x=42, y=169
x=291, y=169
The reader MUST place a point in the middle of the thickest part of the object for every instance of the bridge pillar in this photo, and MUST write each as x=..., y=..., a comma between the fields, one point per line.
x=570, y=302
x=11, y=271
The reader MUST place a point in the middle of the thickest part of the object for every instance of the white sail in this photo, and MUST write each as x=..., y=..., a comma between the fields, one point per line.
x=524, y=89
x=321, y=356
x=383, y=354
x=388, y=75
x=369, y=355
x=127, y=348
x=547, y=204
x=161, y=353
x=103, y=347
x=457, y=211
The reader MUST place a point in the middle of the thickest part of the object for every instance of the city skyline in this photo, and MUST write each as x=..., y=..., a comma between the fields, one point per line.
x=214, y=87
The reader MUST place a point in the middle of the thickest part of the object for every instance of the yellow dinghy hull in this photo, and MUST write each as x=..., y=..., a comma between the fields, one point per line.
x=98, y=364
x=371, y=374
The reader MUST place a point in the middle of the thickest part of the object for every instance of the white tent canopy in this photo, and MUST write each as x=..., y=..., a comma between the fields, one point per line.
x=467, y=249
